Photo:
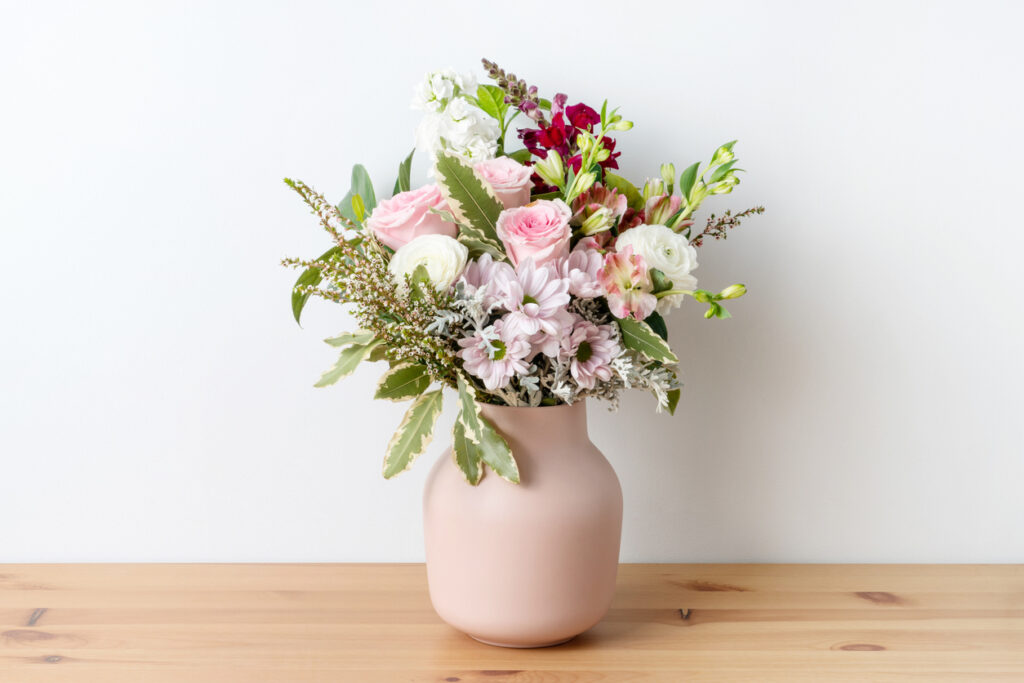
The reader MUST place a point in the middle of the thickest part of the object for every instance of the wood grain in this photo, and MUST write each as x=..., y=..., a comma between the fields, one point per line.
x=373, y=623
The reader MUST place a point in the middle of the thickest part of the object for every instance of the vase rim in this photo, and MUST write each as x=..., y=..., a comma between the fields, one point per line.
x=563, y=406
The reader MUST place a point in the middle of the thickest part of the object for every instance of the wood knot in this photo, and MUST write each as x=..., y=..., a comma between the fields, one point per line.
x=712, y=587
x=52, y=659
x=684, y=613
x=34, y=618
x=453, y=679
x=24, y=635
x=861, y=647
x=880, y=597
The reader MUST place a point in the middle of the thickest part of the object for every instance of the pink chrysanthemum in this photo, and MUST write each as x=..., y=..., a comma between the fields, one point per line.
x=535, y=298
x=495, y=355
x=484, y=272
x=582, y=269
x=589, y=350
x=625, y=278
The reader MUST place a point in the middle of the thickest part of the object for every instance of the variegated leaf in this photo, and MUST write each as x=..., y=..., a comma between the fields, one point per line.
x=473, y=204
x=640, y=337
x=466, y=453
x=348, y=361
x=494, y=451
x=414, y=434
x=402, y=382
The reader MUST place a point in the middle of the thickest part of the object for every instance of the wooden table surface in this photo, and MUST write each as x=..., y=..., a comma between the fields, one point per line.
x=374, y=623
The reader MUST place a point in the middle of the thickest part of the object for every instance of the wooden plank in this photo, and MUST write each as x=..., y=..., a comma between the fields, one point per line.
x=372, y=622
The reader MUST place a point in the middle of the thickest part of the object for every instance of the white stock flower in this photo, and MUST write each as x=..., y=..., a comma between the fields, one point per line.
x=438, y=88
x=443, y=257
x=460, y=128
x=666, y=250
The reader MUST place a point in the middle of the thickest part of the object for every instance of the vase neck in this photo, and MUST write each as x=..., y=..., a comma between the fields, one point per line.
x=539, y=428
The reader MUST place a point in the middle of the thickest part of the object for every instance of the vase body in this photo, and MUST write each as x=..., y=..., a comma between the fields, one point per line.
x=529, y=564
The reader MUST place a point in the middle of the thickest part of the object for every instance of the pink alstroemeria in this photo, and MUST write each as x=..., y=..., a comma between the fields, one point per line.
x=589, y=349
x=625, y=278
x=535, y=298
x=659, y=209
x=495, y=355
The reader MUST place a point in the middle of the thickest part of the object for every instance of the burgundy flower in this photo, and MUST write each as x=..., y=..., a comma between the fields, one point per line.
x=560, y=135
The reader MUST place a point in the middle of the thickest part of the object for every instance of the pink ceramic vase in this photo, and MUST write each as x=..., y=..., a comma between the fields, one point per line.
x=532, y=564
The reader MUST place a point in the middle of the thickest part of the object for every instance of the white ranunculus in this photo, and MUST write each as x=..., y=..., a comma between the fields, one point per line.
x=666, y=250
x=444, y=258
x=438, y=88
x=461, y=128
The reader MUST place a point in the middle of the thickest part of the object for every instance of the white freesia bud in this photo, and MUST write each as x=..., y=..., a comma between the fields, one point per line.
x=654, y=187
x=551, y=169
x=602, y=219
x=723, y=154
x=584, y=181
x=443, y=257
x=725, y=185
x=733, y=292
x=668, y=174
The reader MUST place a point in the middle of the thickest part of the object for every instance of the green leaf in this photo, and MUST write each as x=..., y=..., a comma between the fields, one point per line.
x=688, y=178
x=346, y=338
x=657, y=323
x=465, y=453
x=348, y=361
x=633, y=196
x=472, y=202
x=491, y=99
x=545, y=195
x=721, y=171
x=309, y=277
x=413, y=434
x=402, y=382
x=358, y=208
x=640, y=337
x=673, y=400
x=520, y=155
x=494, y=451
x=404, y=173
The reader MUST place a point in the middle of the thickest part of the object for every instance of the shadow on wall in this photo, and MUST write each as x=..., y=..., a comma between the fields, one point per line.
x=715, y=481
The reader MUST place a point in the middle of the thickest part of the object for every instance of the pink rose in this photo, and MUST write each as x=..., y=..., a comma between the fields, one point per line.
x=540, y=230
x=399, y=220
x=510, y=180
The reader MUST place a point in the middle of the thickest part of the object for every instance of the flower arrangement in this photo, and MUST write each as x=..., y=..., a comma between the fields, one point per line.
x=533, y=277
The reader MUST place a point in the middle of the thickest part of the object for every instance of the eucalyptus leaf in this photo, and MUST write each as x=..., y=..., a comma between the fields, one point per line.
x=413, y=434
x=640, y=337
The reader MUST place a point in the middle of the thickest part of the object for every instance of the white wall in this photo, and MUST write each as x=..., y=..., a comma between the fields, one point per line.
x=862, y=406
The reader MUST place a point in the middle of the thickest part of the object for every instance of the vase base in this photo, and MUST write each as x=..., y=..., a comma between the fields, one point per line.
x=522, y=647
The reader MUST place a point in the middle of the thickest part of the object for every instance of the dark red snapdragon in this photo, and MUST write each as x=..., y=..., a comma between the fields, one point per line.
x=560, y=134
